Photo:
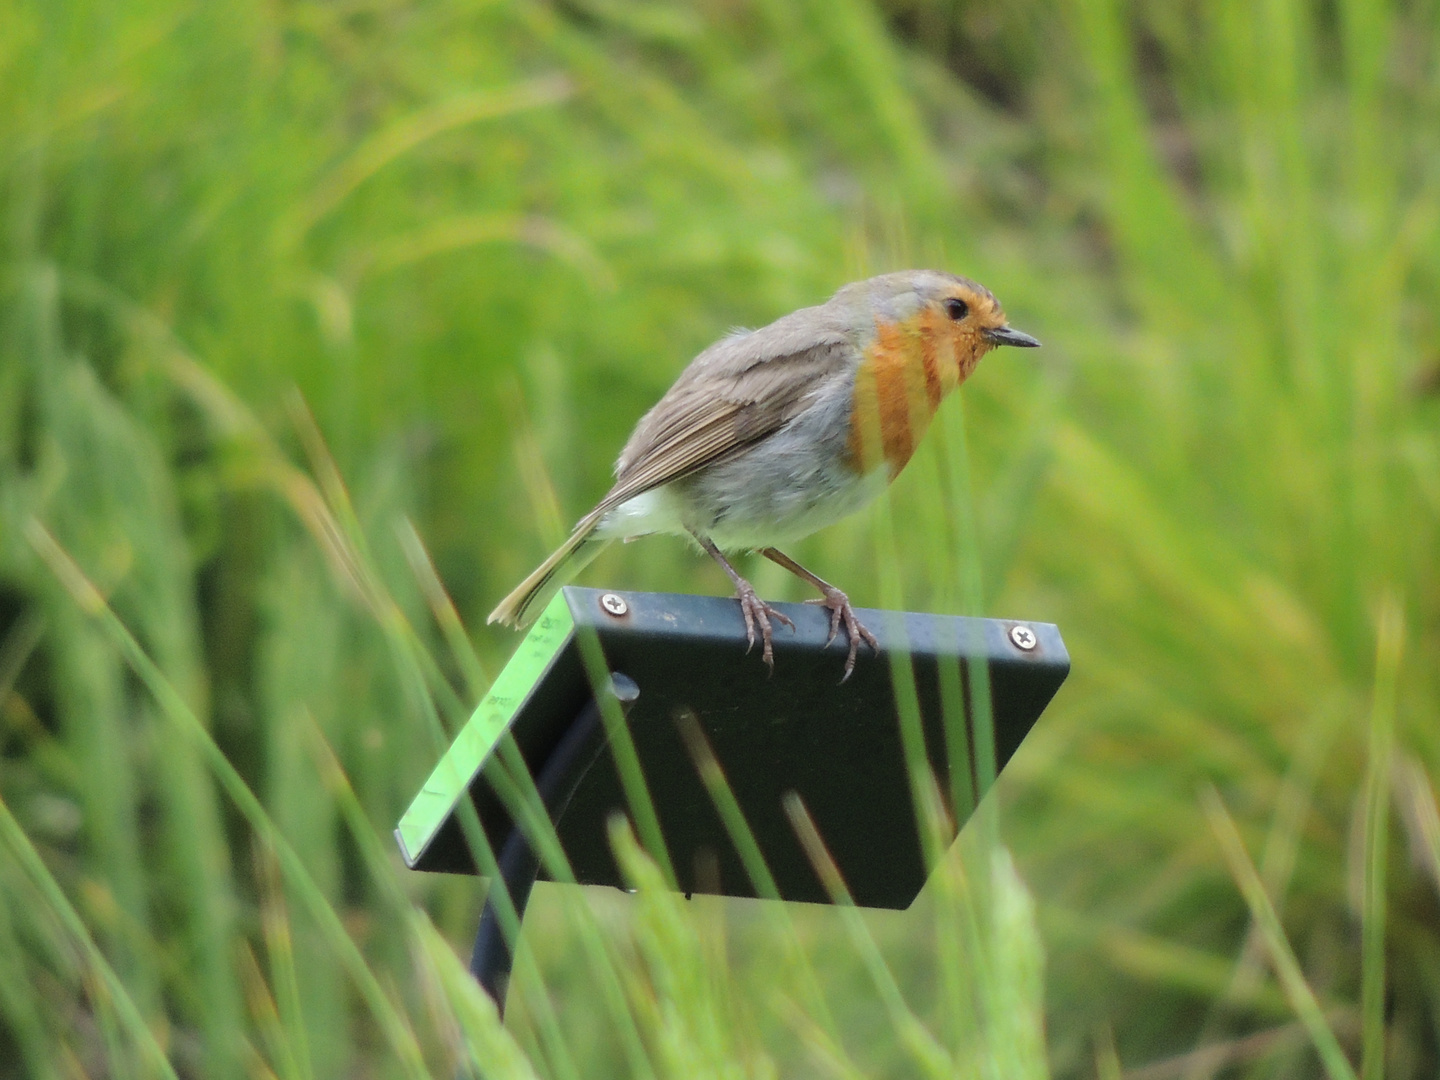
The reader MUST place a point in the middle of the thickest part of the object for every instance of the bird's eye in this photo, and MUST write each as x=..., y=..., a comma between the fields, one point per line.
x=956, y=309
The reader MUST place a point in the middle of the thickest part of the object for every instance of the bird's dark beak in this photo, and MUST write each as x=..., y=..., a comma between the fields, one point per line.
x=1008, y=335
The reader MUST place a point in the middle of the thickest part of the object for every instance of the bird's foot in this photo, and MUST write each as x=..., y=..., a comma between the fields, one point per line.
x=755, y=611
x=841, y=611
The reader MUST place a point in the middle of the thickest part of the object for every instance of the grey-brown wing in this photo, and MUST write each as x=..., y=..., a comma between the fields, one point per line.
x=709, y=414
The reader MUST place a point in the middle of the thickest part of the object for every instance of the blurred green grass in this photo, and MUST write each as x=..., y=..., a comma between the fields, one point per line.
x=480, y=239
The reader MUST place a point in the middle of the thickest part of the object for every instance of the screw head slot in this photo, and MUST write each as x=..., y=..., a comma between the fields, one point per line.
x=614, y=605
x=1022, y=637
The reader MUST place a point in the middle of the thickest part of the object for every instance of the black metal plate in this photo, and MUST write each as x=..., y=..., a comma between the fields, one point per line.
x=838, y=746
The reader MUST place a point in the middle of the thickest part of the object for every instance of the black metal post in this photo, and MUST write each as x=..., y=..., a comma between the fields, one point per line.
x=560, y=776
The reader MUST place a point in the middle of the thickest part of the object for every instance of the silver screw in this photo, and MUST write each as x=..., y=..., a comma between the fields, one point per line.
x=614, y=604
x=1023, y=637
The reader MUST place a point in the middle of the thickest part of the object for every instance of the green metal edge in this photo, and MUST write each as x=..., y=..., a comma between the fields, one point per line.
x=451, y=779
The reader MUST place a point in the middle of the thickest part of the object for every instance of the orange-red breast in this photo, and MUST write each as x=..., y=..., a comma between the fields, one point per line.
x=773, y=433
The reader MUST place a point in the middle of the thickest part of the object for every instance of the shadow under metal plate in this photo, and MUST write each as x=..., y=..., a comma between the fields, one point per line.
x=838, y=745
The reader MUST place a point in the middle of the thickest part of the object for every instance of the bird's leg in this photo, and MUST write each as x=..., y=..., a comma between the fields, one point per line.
x=751, y=606
x=837, y=602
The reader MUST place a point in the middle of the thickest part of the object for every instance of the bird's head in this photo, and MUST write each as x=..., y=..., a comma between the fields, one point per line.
x=950, y=317
x=922, y=333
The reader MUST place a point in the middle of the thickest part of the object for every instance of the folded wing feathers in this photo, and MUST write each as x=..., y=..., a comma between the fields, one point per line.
x=695, y=424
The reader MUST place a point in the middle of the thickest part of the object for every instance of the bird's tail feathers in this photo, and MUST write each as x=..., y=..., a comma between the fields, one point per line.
x=529, y=598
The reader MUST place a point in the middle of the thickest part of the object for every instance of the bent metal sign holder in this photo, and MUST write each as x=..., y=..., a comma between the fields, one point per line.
x=537, y=745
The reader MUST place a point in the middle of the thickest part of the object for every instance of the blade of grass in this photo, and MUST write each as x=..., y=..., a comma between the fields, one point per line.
x=1013, y=989
x=24, y=634
x=622, y=749
x=929, y=1055
x=266, y=1016
x=741, y=836
x=1214, y=1056
x=492, y=1051
x=328, y=502
x=290, y=1034
x=965, y=514
x=931, y=826
x=966, y=703
x=104, y=975
x=829, y=1054
x=298, y=667
x=1107, y=1060
x=1287, y=967
x=522, y=800
x=100, y=737
x=1390, y=639
x=380, y=868
x=174, y=708
x=19, y=1004
x=403, y=135
x=508, y=774
x=117, y=494
x=443, y=608
x=413, y=662
x=1277, y=865
x=1153, y=959
x=511, y=779
x=1423, y=814
x=691, y=1032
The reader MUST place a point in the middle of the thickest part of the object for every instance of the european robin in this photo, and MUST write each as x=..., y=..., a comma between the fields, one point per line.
x=774, y=433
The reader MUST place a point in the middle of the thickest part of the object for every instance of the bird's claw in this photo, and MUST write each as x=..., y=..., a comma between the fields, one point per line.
x=841, y=611
x=756, y=610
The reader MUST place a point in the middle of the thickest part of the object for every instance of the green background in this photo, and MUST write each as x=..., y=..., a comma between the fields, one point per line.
x=293, y=292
